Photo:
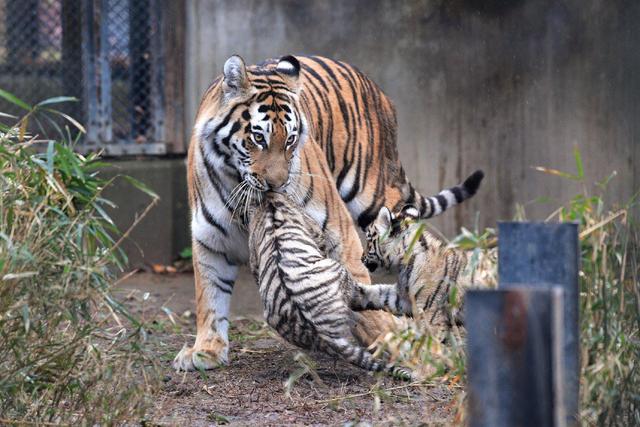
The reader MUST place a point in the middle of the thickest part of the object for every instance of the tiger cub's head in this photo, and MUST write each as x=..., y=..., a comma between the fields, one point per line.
x=389, y=237
x=251, y=124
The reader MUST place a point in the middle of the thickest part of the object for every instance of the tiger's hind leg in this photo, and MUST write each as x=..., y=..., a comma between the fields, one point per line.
x=361, y=357
x=380, y=297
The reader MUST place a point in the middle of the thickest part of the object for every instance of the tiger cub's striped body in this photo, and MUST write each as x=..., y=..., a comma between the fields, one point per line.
x=307, y=296
x=427, y=267
x=314, y=128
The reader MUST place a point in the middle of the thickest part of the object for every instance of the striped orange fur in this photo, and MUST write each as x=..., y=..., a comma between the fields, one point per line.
x=312, y=127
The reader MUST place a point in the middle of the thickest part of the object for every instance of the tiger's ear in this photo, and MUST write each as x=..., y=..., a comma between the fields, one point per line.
x=289, y=68
x=383, y=220
x=236, y=81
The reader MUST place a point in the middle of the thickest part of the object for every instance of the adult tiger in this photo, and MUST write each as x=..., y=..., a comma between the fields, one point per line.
x=315, y=128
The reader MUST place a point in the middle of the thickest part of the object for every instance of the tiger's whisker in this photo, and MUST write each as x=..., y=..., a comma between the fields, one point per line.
x=234, y=193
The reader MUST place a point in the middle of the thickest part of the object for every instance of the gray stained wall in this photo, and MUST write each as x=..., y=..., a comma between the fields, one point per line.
x=497, y=85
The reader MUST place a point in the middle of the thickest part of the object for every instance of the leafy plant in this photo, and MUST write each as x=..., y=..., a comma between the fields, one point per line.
x=609, y=301
x=69, y=352
x=609, y=307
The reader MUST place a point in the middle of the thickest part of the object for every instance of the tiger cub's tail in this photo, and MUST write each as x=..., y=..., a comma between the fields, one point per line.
x=361, y=357
x=431, y=206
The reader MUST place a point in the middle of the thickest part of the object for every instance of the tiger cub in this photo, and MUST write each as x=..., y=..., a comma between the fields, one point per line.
x=308, y=297
x=427, y=267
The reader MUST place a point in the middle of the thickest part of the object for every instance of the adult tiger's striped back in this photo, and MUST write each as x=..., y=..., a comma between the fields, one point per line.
x=315, y=128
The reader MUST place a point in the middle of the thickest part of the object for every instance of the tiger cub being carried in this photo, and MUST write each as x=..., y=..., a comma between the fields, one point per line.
x=308, y=297
x=427, y=267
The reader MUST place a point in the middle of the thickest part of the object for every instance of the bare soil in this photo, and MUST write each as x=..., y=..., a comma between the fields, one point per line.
x=251, y=390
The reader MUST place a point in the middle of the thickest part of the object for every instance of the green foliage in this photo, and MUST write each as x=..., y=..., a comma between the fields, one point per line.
x=66, y=356
x=186, y=253
x=609, y=304
x=609, y=307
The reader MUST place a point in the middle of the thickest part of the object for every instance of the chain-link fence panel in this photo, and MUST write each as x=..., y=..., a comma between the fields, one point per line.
x=106, y=53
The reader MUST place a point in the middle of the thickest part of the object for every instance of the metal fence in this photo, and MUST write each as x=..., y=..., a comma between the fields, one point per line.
x=107, y=53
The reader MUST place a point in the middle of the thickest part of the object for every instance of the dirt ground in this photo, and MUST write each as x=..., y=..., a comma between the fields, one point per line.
x=252, y=389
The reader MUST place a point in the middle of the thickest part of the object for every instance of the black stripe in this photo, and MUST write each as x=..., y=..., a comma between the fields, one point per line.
x=209, y=218
x=227, y=118
x=431, y=207
x=215, y=252
x=458, y=194
x=222, y=288
x=442, y=201
x=214, y=179
x=327, y=69
x=355, y=188
x=315, y=75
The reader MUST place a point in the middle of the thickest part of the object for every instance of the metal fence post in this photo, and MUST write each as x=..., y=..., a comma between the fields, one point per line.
x=543, y=255
x=89, y=70
x=106, y=130
x=515, y=363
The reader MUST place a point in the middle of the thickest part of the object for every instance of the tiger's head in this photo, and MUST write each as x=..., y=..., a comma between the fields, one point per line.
x=253, y=128
x=388, y=238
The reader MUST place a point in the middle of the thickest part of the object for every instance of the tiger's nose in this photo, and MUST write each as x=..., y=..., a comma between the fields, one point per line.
x=277, y=180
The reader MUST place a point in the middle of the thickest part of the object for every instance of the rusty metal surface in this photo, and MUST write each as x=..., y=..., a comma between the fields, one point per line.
x=542, y=255
x=511, y=357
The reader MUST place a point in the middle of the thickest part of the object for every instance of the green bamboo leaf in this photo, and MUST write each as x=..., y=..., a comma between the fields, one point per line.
x=103, y=214
x=413, y=242
x=70, y=120
x=15, y=100
x=56, y=100
x=50, y=156
x=140, y=186
x=579, y=166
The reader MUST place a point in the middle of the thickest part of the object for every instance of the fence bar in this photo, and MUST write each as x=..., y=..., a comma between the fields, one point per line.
x=89, y=69
x=514, y=362
x=543, y=255
x=71, y=65
x=106, y=129
x=157, y=71
x=139, y=69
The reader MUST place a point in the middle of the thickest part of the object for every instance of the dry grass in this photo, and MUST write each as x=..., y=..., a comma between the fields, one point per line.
x=609, y=308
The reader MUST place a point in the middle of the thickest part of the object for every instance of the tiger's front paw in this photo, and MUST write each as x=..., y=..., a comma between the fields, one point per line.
x=212, y=354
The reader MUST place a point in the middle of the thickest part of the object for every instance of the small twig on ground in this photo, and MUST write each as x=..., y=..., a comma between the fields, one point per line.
x=28, y=423
x=367, y=393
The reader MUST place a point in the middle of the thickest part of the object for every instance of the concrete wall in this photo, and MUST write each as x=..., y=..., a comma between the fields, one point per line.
x=492, y=84
x=164, y=232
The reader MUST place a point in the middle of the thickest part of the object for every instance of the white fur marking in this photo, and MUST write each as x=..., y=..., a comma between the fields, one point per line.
x=285, y=66
x=451, y=199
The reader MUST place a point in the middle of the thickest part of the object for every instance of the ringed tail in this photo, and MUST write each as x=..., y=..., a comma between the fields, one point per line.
x=431, y=206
